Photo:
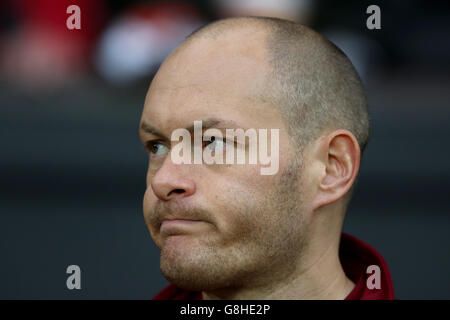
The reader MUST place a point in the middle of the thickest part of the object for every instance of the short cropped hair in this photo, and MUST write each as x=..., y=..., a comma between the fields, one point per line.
x=311, y=80
x=316, y=85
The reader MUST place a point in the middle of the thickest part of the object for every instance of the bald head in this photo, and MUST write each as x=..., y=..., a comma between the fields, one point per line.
x=250, y=233
x=308, y=78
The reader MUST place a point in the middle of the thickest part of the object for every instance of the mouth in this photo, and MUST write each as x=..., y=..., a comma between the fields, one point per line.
x=171, y=227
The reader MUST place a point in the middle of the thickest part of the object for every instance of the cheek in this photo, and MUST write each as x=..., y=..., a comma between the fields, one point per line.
x=250, y=185
x=148, y=204
x=236, y=200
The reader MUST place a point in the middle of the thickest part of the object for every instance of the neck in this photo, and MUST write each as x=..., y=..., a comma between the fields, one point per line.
x=319, y=277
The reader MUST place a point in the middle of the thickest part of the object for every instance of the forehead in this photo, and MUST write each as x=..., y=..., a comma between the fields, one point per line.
x=213, y=78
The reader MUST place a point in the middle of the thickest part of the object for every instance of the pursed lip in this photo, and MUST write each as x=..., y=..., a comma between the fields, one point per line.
x=178, y=220
x=173, y=216
x=169, y=218
x=178, y=226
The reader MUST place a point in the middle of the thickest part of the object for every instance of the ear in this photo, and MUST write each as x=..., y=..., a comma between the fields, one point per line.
x=337, y=159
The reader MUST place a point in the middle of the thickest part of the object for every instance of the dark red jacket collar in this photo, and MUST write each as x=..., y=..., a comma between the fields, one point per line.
x=355, y=255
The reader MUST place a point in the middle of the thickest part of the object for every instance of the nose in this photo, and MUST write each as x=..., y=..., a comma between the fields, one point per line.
x=170, y=181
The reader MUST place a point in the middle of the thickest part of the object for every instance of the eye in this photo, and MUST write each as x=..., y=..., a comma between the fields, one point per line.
x=214, y=144
x=157, y=148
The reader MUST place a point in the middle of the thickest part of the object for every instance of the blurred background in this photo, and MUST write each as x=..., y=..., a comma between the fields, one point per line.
x=72, y=170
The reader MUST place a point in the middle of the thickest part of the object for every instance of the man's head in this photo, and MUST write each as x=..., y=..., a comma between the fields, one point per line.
x=251, y=229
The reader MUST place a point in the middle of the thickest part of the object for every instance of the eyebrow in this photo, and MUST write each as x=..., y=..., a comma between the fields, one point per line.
x=206, y=124
x=148, y=128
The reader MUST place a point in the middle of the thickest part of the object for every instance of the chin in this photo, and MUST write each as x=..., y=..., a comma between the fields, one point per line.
x=194, y=269
x=191, y=277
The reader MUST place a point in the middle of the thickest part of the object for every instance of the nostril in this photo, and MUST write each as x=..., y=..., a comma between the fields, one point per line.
x=179, y=191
